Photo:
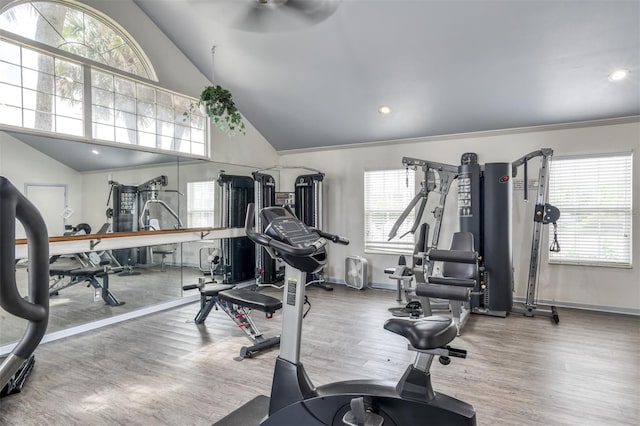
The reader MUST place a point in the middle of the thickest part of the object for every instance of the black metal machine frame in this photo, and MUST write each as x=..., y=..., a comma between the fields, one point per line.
x=237, y=258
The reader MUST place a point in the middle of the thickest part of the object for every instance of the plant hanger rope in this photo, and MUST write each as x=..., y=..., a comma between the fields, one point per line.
x=218, y=104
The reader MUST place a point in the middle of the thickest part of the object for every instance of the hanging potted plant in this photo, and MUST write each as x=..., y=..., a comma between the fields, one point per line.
x=218, y=104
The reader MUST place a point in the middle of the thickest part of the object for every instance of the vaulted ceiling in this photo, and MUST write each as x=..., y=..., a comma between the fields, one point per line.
x=314, y=73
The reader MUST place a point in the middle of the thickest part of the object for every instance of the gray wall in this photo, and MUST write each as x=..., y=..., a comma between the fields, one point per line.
x=611, y=288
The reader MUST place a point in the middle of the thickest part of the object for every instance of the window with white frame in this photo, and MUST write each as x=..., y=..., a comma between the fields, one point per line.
x=386, y=194
x=56, y=83
x=130, y=112
x=40, y=91
x=594, y=195
x=200, y=204
x=80, y=30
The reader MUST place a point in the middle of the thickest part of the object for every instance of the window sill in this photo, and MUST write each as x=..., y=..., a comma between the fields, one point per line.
x=592, y=264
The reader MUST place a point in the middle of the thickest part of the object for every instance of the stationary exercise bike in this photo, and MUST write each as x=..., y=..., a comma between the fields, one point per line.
x=295, y=400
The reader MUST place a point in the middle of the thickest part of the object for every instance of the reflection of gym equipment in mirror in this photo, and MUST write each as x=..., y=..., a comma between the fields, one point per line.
x=134, y=209
x=484, y=210
x=93, y=266
x=89, y=275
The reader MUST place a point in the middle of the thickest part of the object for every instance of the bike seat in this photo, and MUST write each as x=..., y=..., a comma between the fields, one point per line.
x=87, y=272
x=424, y=333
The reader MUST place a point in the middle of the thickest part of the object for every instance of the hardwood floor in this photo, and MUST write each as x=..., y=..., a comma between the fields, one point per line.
x=164, y=370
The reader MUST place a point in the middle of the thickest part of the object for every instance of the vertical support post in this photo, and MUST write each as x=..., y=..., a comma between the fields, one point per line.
x=540, y=218
x=259, y=202
x=537, y=234
x=292, y=304
x=317, y=205
x=497, y=237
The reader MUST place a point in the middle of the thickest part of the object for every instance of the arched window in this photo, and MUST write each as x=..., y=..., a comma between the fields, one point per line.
x=76, y=29
x=52, y=80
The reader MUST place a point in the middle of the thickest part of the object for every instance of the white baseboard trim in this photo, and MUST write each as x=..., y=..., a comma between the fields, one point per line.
x=560, y=304
x=72, y=331
x=583, y=306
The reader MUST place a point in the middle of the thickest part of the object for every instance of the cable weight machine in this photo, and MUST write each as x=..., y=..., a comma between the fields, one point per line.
x=544, y=214
x=484, y=209
x=131, y=213
x=308, y=207
x=238, y=254
x=265, y=196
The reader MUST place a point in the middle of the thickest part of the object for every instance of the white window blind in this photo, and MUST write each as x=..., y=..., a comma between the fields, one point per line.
x=594, y=195
x=386, y=194
x=200, y=204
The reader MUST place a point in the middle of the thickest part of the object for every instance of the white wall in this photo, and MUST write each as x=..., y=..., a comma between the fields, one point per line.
x=22, y=164
x=608, y=288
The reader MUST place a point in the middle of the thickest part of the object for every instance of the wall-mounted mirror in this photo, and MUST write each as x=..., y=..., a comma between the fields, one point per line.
x=83, y=188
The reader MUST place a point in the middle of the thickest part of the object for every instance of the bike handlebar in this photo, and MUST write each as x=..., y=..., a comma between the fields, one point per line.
x=333, y=237
x=14, y=205
x=265, y=240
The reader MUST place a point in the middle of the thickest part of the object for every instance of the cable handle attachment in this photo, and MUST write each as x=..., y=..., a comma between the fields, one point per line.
x=555, y=245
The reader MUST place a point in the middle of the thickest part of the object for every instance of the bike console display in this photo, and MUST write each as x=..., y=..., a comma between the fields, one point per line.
x=293, y=232
x=288, y=238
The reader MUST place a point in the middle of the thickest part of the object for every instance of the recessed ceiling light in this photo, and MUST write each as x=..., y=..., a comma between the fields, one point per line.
x=95, y=151
x=618, y=75
x=384, y=109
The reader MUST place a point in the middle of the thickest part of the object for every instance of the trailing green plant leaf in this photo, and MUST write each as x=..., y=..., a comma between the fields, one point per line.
x=219, y=105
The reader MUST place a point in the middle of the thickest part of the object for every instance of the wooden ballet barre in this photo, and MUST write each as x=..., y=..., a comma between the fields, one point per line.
x=69, y=244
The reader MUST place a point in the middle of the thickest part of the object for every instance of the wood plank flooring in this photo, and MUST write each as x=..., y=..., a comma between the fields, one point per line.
x=164, y=370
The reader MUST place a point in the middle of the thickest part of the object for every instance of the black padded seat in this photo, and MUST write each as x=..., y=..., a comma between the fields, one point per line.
x=61, y=271
x=251, y=299
x=215, y=288
x=425, y=333
x=89, y=272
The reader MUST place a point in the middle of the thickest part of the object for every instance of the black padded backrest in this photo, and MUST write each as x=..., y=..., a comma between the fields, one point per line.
x=422, y=244
x=460, y=241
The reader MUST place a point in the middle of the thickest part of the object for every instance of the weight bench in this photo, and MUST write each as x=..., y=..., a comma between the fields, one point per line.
x=237, y=303
x=79, y=275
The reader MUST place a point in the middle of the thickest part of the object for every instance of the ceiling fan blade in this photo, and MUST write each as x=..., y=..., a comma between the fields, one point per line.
x=313, y=10
x=252, y=19
x=285, y=15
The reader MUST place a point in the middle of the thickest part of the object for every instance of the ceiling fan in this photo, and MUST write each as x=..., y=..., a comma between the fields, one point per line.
x=265, y=16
